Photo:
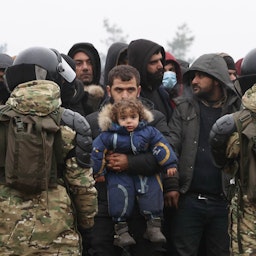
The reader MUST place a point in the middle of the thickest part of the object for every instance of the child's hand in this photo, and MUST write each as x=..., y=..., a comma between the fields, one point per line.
x=171, y=171
x=100, y=179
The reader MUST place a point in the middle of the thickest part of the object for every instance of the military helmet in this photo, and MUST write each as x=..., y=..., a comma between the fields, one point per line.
x=248, y=65
x=38, y=63
x=247, y=77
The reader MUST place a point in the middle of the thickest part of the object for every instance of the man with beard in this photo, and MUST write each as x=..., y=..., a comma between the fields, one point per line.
x=149, y=58
x=5, y=62
x=198, y=199
x=124, y=83
x=88, y=71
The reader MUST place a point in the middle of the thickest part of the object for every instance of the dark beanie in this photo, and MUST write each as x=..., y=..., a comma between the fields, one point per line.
x=230, y=62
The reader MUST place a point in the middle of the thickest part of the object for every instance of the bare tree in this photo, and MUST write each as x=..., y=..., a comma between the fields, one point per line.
x=115, y=34
x=181, y=43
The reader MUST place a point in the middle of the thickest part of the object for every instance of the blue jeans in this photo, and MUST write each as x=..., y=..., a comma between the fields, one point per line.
x=196, y=219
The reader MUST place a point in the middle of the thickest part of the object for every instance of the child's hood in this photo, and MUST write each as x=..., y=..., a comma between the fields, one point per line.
x=105, y=122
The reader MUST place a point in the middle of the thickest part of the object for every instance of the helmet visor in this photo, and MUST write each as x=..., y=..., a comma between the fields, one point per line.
x=66, y=71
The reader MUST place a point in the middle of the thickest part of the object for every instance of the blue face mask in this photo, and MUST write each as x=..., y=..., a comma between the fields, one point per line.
x=169, y=79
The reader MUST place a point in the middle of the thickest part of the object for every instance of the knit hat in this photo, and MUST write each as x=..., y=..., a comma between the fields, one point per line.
x=229, y=60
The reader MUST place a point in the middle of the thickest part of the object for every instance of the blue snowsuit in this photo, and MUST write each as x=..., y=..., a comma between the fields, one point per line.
x=123, y=189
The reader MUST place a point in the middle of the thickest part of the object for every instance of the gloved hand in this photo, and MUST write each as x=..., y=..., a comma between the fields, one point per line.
x=67, y=91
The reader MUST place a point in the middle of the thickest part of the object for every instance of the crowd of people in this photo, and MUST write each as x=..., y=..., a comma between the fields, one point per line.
x=151, y=156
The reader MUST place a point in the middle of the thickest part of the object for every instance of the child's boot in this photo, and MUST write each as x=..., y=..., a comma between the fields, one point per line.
x=153, y=232
x=122, y=237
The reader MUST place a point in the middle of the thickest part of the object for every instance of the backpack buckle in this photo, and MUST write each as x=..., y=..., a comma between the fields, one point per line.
x=19, y=123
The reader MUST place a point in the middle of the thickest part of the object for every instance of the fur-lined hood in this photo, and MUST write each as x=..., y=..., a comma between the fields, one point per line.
x=105, y=122
x=95, y=91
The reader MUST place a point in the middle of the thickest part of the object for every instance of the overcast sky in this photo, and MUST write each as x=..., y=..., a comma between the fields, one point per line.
x=218, y=26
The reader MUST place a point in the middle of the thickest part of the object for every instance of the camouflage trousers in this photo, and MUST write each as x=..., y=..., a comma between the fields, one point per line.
x=242, y=226
x=42, y=224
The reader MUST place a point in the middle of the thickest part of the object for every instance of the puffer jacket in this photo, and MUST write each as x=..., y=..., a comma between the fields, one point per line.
x=142, y=164
x=143, y=139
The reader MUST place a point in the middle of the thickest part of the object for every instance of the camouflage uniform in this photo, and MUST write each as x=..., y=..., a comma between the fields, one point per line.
x=45, y=223
x=243, y=226
x=242, y=216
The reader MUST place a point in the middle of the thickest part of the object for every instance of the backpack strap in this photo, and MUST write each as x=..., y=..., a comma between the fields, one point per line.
x=58, y=160
x=5, y=115
x=4, y=121
x=242, y=119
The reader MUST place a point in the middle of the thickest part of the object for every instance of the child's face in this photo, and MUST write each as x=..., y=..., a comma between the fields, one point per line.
x=129, y=119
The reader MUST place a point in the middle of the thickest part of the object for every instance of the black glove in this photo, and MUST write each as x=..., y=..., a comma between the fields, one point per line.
x=67, y=92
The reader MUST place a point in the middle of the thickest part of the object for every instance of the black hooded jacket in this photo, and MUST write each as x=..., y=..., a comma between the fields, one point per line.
x=139, y=54
x=92, y=52
x=93, y=95
x=113, y=56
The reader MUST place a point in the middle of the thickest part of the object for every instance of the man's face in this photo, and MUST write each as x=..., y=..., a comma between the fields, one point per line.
x=123, y=89
x=232, y=74
x=84, y=67
x=204, y=86
x=155, y=70
x=155, y=64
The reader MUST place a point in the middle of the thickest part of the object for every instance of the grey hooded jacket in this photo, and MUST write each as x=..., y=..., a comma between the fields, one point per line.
x=185, y=122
